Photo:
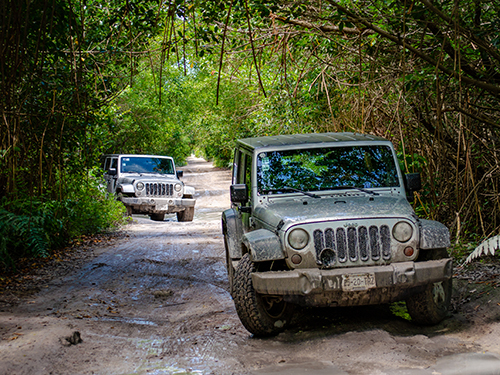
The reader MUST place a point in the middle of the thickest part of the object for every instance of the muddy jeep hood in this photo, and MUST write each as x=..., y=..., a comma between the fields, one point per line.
x=293, y=211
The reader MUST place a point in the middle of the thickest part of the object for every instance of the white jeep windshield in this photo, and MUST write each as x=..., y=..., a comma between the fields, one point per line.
x=331, y=168
x=139, y=164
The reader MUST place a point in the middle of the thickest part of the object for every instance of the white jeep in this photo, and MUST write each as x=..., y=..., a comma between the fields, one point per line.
x=149, y=184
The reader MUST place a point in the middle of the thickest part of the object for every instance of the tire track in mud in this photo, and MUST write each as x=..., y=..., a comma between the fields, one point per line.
x=129, y=276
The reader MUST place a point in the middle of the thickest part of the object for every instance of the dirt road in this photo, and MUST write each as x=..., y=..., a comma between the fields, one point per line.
x=157, y=302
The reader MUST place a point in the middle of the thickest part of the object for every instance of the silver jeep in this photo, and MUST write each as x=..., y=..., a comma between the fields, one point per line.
x=325, y=220
x=149, y=184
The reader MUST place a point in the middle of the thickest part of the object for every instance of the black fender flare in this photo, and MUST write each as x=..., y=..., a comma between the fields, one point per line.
x=233, y=232
x=263, y=245
x=433, y=235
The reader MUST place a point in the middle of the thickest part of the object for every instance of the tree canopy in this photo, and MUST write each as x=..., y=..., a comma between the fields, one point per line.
x=424, y=74
x=83, y=78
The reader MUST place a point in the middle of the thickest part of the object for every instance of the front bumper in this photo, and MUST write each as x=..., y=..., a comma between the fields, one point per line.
x=158, y=205
x=376, y=284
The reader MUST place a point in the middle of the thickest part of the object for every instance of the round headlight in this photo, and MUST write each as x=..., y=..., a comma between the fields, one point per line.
x=178, y=187
x=298, y=238
x=402, y=231
x=139, y=186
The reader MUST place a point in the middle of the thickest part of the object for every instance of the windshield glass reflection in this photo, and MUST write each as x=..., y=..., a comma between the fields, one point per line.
x=136, y=164
x=326, y=169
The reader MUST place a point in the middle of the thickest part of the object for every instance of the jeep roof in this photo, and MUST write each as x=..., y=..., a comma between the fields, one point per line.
x=136, y=155
x=306, y=139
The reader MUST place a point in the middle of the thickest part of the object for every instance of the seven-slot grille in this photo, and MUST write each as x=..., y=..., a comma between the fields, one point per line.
x=159, y=189
x=340, y=245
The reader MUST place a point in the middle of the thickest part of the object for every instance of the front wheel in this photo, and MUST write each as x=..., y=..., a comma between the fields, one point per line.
x=157, y=217
x=261, y=315
x=186, y=215
x=430, y=306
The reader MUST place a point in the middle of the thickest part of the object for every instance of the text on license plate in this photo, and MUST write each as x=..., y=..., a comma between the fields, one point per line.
x=363, y=281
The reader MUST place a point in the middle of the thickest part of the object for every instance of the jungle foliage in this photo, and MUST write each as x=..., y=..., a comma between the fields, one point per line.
x=61, y=65
x=424, y=74
x=79, y=79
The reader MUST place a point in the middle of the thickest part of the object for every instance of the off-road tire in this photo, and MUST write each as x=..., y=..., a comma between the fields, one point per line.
x=430, y=306
x=186, y=215
x=157, y=217
x=259, y=314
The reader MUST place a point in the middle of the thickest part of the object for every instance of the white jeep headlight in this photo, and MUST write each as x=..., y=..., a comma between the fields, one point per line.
x=298, y=238
x=139, y=185
x=402, y=231
x=177, y=187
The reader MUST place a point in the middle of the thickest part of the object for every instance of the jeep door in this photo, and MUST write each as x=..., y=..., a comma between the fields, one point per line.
x=242, y=173
x=111, y=173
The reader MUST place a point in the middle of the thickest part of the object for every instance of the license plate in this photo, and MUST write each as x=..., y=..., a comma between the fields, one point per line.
x=351, y=283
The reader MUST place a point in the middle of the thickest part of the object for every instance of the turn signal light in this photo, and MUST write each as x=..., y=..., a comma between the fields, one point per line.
x=296, y=259
x=409, y=251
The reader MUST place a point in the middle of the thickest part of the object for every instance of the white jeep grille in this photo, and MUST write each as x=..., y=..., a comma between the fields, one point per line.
x=340, y=246
x=159, y=189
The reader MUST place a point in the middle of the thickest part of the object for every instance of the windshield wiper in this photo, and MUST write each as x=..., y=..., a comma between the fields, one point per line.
x=302, y=191
x=283, y=189
x=350, y=187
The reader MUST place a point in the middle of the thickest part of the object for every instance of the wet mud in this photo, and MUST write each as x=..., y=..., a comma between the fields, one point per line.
x=156, y=301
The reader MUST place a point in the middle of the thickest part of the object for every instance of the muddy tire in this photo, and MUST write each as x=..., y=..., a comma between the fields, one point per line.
x=157, y=217
x=430, y=306
x=259, y=314
x=186, y=215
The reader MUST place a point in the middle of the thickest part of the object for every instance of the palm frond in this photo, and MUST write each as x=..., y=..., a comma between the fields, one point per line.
x=487, y=247
x=37, y=243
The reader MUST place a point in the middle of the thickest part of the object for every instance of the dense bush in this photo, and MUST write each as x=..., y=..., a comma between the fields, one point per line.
x=34, y=227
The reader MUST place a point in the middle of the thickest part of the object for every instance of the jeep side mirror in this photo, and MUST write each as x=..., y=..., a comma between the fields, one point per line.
x=413, y=181
x=179, y=174
x=239, y=193
x=111, y=172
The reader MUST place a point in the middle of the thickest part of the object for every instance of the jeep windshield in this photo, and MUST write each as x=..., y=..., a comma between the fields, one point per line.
x=333, y=168
x=136, y=164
